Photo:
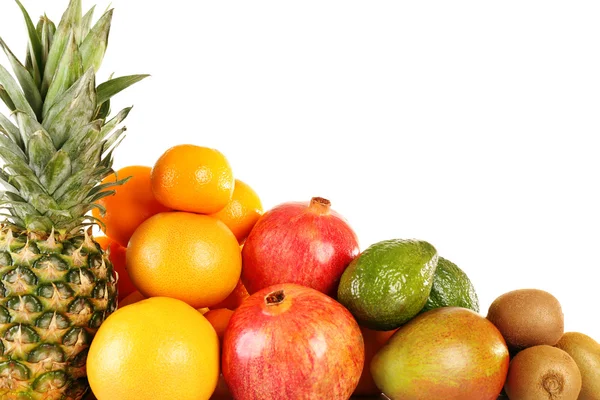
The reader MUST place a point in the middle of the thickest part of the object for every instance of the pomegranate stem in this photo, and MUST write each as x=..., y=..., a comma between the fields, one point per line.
x=320, y=205
x=275, y=298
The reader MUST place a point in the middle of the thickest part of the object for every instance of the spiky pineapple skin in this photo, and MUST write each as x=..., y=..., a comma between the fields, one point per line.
x=54, y=294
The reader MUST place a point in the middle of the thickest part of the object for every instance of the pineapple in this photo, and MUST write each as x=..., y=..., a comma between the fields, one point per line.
x=56, y=145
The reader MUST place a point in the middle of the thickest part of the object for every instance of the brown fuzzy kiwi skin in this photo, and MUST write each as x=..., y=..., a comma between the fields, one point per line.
x=527, y=317
x=543, y=373
x=586, y=353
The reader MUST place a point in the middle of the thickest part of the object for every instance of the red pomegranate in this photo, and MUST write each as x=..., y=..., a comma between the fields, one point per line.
x=290, y=342
x=307, y=244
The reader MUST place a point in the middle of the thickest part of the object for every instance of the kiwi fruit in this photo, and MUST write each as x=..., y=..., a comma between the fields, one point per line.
x=586, y=353
x=543, y=373
x=527, y=317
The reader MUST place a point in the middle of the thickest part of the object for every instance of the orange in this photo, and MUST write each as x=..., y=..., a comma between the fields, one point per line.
x=117, y=258
x=159, y=348
x=132, y=298
x=190, y=257
x=193, y=178
x=242, y=212
x=374, y=340
x=234, y=300
x=219, y=319
x=131, y=205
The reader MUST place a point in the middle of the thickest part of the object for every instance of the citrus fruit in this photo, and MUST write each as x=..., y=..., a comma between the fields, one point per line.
x=159, y=348
x=132, y=203
x=116, y=255
x=235, y=299
x=374, y=341
x=219, y=318
x=242, y=211
x=190, y=257
x=193, y=178
x=132, y=298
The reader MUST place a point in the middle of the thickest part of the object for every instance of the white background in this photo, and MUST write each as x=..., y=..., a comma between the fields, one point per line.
x=468, y=124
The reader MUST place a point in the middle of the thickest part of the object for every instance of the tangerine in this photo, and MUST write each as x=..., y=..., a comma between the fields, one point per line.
x=219, y=319
x=116, y=255
x=132, y=203
x=242, y=212
x=193, y=178
x=374, y=340
x=132, y=298
x=235, y=299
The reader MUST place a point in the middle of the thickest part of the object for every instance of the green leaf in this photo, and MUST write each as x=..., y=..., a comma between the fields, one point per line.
x=107, y=161
x=95, y=43
x=12, y=131
x=47, y=38
x=112, y=124
x=69, y=71
x=101, y=208
x=34, y=194
x=102, y=187
x=102, y=172
x=38, y=223
x=56, y=172
x=14, y=92
x=110, y=88
x=30, y=90
x=70, y=25
x=79, y=209
x=28, y=53
x=82, y=138
x=16, y=164
x=11, y=146
x=86, y=22
x=34, y=40
x=114, y=139
x=27, y=126
x=40, y=150
x=31, y=64
x=39, y=28
x=89, y=156
x=22, y=208
x=76, y=197
x=14, y=196
x=99, y=195
x=103, y=111
x=74, y=183
x=58, y=214
x=6, y=99
x=5, y=180
x=74, y=110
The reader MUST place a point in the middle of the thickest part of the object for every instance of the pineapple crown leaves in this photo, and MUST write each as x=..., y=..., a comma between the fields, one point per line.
x=56, y=145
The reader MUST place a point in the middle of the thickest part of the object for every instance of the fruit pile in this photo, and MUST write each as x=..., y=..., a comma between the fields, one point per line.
x=298, y=312
x=195, y=293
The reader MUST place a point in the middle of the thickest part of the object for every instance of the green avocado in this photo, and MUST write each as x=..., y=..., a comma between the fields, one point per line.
x=451, y=288
x=389, y=283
